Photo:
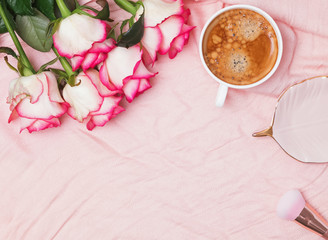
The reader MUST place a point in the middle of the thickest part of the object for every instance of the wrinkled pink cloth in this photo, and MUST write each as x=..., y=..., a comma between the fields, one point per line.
x=173, y=166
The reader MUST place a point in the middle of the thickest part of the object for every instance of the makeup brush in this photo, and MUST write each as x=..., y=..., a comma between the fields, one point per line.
x=293, y=207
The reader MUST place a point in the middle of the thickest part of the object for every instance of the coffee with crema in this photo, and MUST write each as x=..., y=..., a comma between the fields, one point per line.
x=240, y=47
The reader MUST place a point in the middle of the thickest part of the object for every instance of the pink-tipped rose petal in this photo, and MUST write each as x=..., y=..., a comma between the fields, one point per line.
x=22, y=87
x=33, y=125
x=165, y=28
x=89, y=61
x=177, y=44
x=91, y=100
x=123, y=70
x=105, y=46
x=82, y=39
x=131, y=88
x=77, y=33
x=101, y=120
x=121, y=63
x=76, y=62
x=82, y=98
x=102, y=90
x=156, y=11
x=36, y=101
x=143, y=85
x=105, y=113
x=151, y=41
x=170, y=29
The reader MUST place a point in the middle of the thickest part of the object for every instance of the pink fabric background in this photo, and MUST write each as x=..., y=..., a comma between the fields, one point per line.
x=173, y=166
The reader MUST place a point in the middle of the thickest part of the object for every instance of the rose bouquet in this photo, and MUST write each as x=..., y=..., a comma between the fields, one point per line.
x=104, y=61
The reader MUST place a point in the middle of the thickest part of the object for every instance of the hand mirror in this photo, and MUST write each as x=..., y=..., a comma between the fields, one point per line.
x=300, y=122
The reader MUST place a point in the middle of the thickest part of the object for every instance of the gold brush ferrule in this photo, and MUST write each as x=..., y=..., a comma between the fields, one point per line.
x=311, y=220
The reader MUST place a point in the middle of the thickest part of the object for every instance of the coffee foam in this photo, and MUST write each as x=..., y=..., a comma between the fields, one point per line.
x=241, y=47
x=238, y=62
x=249, y=29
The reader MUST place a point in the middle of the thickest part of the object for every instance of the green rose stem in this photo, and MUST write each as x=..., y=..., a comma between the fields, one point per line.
x=28, y=68
x=67, y=67
x=65, y=12
x=127, y=6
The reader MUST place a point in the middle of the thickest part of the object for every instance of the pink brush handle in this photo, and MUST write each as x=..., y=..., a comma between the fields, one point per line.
x=325, y=236
x=311, y=220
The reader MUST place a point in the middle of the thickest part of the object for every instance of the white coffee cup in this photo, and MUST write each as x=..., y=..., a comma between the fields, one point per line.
x=224, y=86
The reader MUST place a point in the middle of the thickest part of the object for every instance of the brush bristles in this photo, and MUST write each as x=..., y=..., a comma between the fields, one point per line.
x=290, y=205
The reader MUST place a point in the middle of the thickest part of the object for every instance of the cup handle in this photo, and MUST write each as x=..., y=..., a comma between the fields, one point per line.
x=221, y=95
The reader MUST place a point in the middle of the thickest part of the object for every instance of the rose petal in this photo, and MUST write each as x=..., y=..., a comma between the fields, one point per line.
x=22, y=87
x=102, y=90
x=105, y=46
x=36, y=101
x=89, y=61
x=152, y=41
x=91, y=125
x=118, y=110
x=13, y=116
x=104, y=78
x=131, y=88
x=143, y=85
x=109, y=110
x=82, y=98
x=181, y=40
x=120, y=63
x=48, y=104
x=101, y=57
x=76, y=62
x=171, y=28
x=156, y=11
x=142, y=72
x=42, y=109
x=53, y=91
x=77, y=33
x=108, y=106
x=38, y=125
x=185, y=14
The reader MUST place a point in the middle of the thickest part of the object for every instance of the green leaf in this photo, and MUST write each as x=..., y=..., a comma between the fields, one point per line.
x=8, y=51
x=101, y=3
x=33, y=30
x=21, y=7
x=59, y=72
x=52, y=27
x=131, y=21
x=76, y=4
x=9, y=65
x=47, y=7
x=104, y=13
x=43, y=67
x=134, y=35
x=86, y=7
x=3, y=28
x=61, y=77
x=10, y=17
x=111, y=33
x=123, y=25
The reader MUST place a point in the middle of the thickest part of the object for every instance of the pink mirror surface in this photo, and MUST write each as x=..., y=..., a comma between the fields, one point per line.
x=300, y=123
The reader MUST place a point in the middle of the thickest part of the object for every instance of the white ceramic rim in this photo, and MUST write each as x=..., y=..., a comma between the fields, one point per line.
x=275, y=28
